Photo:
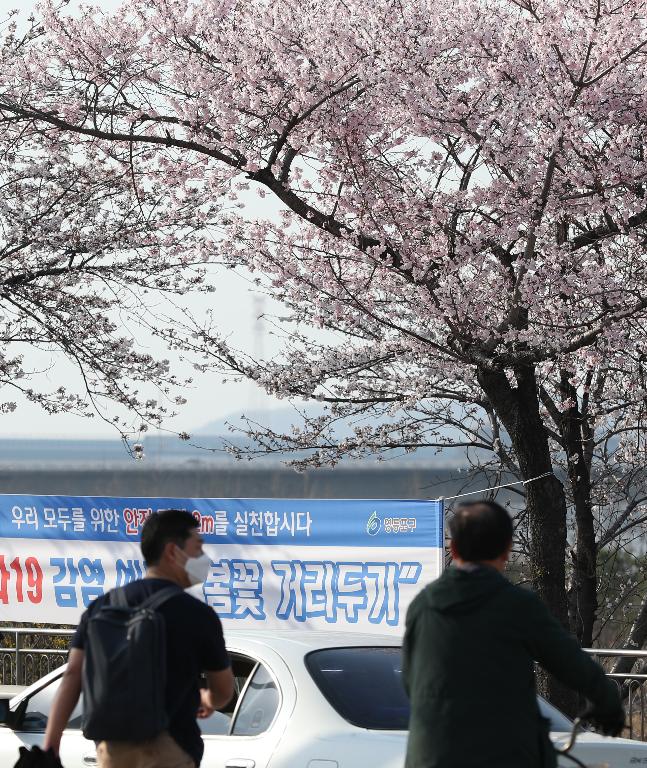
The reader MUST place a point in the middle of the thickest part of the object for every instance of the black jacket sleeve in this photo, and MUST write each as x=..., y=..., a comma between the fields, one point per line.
x=407, y=648
x=559, y=654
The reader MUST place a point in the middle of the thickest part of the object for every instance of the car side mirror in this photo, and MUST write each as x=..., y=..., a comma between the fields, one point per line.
x=4, y=711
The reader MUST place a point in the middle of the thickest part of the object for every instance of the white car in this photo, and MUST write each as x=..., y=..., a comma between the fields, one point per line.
x=304, y=699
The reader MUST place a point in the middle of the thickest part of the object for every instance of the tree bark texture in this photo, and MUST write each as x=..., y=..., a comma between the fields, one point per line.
x=634, y=642
x=518, y=409
x=584, y=604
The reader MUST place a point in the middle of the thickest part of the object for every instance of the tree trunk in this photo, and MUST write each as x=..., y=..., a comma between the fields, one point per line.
x=634, y=642
x=518, y=409
x=585, y=604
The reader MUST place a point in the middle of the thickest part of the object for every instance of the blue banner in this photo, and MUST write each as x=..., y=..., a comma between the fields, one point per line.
x=327, y=563
x=300, y=522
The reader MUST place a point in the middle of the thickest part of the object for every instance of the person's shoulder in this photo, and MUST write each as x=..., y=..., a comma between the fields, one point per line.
x=78, y=639
x=97, y=604
x=420, y=602
x=416, y=604
x=522, y=597
x=198, y=608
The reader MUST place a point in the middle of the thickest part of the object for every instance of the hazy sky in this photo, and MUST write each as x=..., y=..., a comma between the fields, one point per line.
x=210, y=399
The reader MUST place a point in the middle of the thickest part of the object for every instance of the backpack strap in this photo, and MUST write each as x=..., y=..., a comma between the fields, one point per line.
x=160, y=597
x=117, y=598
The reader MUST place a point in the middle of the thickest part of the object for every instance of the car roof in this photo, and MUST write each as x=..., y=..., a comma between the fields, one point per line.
x=308, y=640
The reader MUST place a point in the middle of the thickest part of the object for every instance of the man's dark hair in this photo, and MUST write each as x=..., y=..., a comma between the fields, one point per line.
x=166, y=525
x=481, y=530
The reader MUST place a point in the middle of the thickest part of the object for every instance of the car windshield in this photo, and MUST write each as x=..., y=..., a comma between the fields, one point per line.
x=364, y=685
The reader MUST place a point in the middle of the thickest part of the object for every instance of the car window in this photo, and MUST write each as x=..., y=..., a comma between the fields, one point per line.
x=558, y=720
x=219, y=723
x=37, y=708
x=364, y=685
x=259, y=705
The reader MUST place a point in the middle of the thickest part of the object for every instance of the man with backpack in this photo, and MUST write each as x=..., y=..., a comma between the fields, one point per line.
x=471, y=641
x=138, y=654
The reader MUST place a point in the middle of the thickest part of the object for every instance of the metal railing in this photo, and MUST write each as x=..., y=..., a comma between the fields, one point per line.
x=22, y=662
x=632, y=687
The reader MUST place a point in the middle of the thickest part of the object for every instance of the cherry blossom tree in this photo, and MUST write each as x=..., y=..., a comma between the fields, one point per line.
x=463, y=199
x=597, y=448
x=81, y=256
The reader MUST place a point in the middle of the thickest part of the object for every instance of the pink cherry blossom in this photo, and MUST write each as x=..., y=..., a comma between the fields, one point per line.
x=463, y=186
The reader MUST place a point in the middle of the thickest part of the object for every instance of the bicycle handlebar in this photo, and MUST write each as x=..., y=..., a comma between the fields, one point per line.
x=564, y=750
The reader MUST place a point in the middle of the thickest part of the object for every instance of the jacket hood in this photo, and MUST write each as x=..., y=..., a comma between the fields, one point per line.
x=459, y=591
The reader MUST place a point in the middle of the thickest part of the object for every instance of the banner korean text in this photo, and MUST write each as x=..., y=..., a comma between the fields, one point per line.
x=333, y=564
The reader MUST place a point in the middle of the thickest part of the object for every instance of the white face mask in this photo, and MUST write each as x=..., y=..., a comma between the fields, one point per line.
x=197, y=568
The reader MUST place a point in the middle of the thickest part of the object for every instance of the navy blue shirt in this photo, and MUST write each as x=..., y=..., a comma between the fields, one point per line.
x=194, y=644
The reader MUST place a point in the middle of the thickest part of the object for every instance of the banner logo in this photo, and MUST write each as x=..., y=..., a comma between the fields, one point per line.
x=373, y=525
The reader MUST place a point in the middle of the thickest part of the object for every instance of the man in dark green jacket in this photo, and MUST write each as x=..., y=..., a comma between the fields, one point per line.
x=471, y=641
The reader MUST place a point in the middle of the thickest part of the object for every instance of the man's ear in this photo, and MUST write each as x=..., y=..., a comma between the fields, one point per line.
x=452, y=550
x=168, y=553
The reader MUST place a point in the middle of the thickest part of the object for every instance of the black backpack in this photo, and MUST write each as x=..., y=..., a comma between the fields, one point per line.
x=124, y=669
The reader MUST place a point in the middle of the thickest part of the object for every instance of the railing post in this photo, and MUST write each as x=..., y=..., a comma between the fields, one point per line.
x=19, y=671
